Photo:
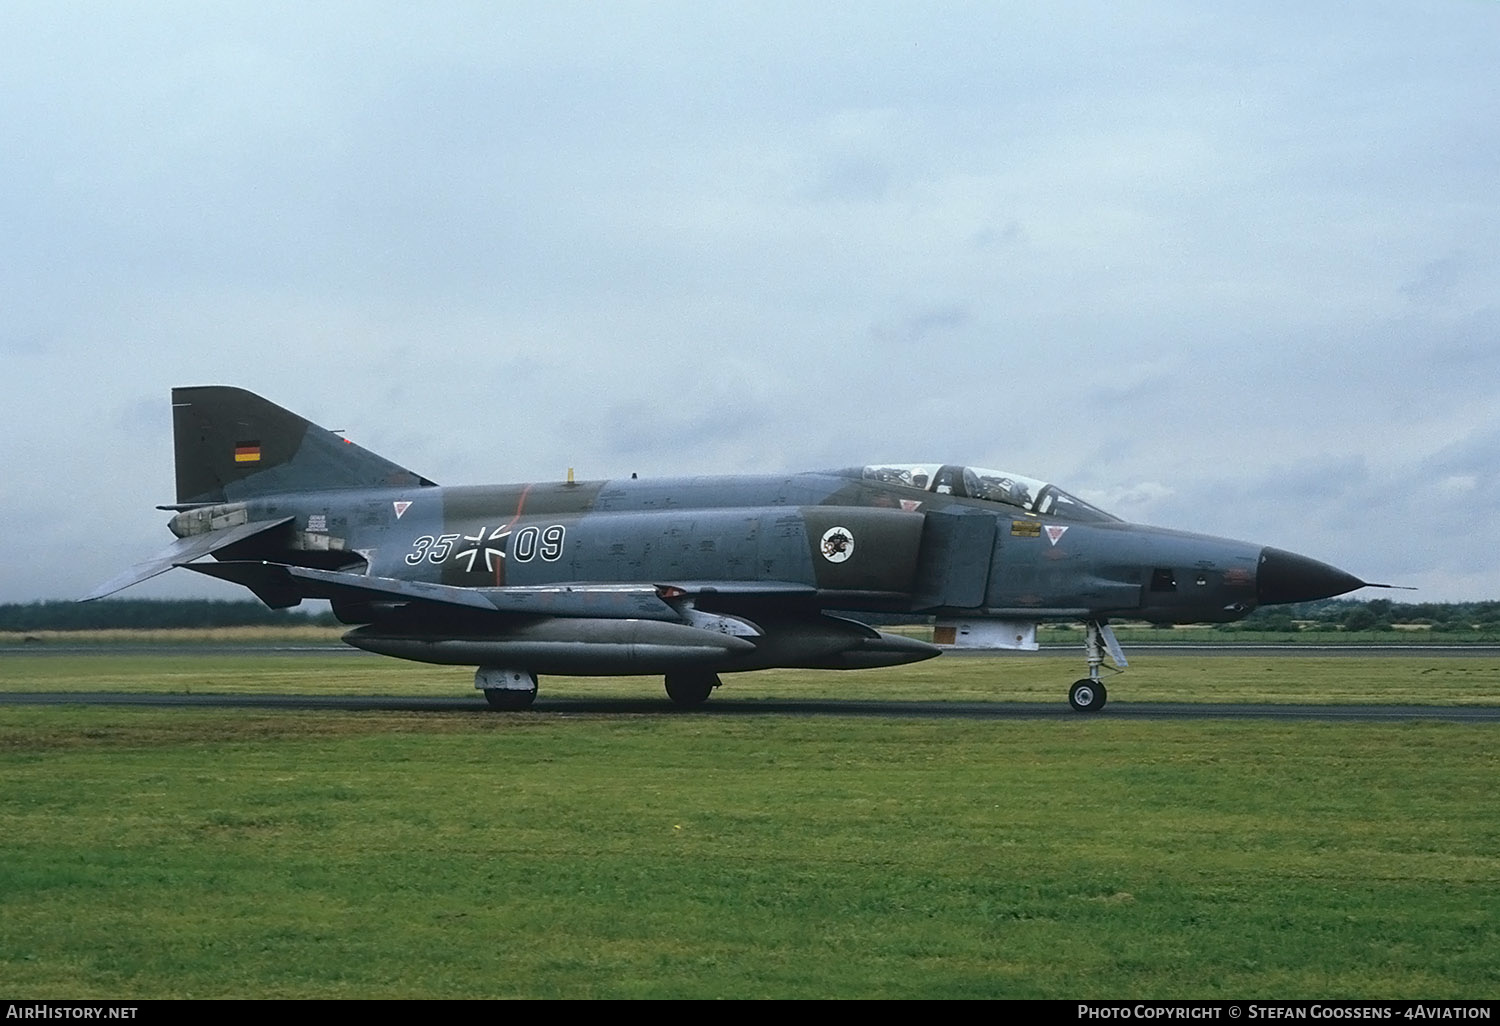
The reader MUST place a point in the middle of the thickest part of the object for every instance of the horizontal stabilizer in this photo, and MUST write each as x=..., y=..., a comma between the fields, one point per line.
x=182, y=551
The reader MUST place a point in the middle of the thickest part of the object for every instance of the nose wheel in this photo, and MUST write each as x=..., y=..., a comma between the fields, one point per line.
x=1087, y=695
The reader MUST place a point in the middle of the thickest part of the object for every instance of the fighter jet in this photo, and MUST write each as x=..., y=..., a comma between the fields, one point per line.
x=688, y=578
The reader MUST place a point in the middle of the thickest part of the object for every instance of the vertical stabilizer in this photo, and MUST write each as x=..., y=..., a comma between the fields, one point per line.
x=232, y=444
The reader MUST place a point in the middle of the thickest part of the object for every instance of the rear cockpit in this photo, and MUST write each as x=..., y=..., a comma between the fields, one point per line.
x=1024, y=493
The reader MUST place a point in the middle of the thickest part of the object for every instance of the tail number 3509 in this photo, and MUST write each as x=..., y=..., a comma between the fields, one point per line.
x=524, y=545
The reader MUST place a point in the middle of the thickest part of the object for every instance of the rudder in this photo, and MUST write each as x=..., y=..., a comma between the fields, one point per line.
x=231, y=444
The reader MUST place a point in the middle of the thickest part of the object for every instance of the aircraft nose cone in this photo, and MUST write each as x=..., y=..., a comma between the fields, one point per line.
x=1287, y=577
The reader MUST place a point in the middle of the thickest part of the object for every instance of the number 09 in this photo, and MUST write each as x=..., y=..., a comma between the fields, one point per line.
x=533, y=541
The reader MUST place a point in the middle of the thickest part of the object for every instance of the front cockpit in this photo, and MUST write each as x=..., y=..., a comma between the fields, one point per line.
x=1024, y=493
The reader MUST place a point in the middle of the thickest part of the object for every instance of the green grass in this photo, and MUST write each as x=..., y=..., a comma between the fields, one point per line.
x=230, y=853
x=1417, y=679
x=198, y=853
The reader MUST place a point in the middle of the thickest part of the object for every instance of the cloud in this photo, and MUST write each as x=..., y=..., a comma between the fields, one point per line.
x=1231, y=268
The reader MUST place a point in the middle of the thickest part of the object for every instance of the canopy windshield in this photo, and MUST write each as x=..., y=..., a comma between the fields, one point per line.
x=1024, y=493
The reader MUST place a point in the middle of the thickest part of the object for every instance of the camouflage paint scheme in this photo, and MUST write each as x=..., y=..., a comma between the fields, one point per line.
x=686, y=577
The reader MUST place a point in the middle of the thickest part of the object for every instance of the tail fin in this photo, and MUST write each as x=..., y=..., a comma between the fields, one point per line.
x=232, y=444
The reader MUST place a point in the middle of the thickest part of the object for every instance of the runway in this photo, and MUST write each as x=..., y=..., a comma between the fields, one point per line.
x=1473, y=715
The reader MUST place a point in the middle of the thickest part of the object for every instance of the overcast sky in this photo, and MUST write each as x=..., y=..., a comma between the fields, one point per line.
x=1231, y=267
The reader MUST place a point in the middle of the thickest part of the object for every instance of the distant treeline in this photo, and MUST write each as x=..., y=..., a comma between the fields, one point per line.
x=116, y=614
x=1374, y=615
x=155, y=614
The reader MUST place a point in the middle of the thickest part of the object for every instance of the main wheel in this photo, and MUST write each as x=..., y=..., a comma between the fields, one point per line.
x=1087, y=695
x=505, y=689
x=507, y=700
x=690, y=690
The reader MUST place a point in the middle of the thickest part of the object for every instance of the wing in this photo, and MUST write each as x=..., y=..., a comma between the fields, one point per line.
x=280, y=579
x=579, y=599
x=585, y=627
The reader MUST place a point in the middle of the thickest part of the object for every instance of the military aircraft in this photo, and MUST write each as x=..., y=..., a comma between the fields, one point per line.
x=688, y=577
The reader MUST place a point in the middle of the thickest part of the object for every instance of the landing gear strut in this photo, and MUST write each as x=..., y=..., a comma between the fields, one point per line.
x=690, y=690
x=1089, y=694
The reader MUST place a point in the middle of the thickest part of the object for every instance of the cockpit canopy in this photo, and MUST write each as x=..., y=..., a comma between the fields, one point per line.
x=1024, y=493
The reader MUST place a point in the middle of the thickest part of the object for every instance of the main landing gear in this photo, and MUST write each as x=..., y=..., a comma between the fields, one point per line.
x=1089, y=694
x=690, y=690
x=514, y=690
x=506, y=690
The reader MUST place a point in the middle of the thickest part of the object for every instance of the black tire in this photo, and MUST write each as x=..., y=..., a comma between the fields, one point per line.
x=690, y=690
x=1087, y=695
x=506, y=700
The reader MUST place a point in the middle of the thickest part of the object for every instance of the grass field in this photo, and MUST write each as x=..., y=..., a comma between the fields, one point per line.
x=210, y=853
x=1416, y=679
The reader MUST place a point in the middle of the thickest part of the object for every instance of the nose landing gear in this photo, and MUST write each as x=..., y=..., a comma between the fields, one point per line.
x=1089, y=694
